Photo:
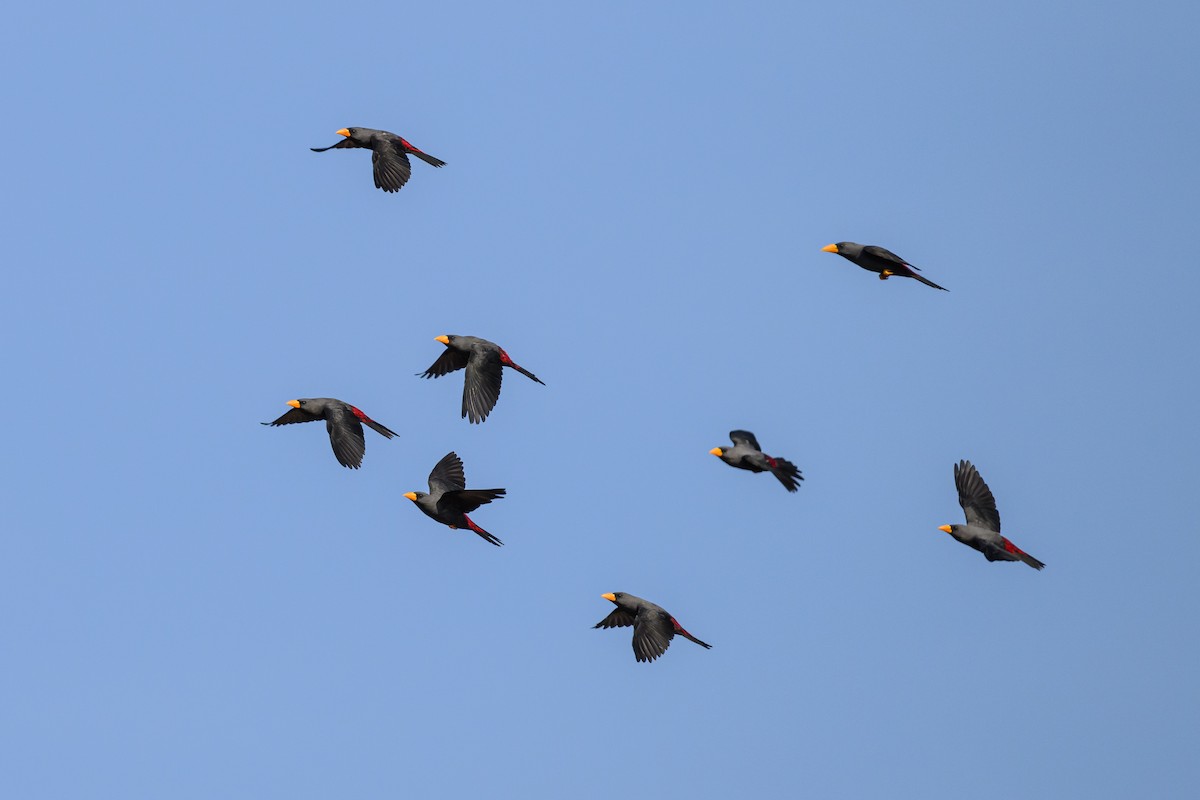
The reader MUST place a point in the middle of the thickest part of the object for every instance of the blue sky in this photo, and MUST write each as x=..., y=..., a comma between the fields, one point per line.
x=196, y=606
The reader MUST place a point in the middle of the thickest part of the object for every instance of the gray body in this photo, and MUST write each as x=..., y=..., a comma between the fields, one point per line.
x=882, y=261
x=484, y=362
x=449, y=500
x=982, y=531
x=653, y=627
x=389, y=155
x=342, y=423
x=748, y=455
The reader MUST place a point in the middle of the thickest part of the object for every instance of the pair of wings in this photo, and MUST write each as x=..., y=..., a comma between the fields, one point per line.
x=652, y=630
x=481, y=388
x=390, y=162
x=345, y=432
x=449, y=480
x=975, y=497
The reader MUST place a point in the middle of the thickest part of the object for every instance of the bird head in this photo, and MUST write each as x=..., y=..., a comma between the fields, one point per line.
x=950, y=529
x=309, y=405
x=445, y=339
x=614, y=597
x=415, y=496
x=716, y=451
x=845, y=249
x=349, y=133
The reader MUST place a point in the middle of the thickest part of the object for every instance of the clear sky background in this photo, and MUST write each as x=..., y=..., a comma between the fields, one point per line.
x=195, y=606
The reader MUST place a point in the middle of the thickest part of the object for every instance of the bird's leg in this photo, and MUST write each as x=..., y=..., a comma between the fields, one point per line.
x=887, y=273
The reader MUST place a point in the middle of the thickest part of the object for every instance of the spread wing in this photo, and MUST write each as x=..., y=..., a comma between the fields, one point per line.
x=467, y=500
x=392, y=167
x=346, y=436
x=344, y=143
x=744, y=437
x=652, y=632
x=294, y=415
x=619, y=618
x=482, y=387
x=447, y=475
x=449, y=361
x=975, y=497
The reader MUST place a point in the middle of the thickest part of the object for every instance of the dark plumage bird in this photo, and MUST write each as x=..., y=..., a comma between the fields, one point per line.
x=343, y=421
x=389, y=155
x=485, y=362
x=746, y=454
x=982, y=530
x=878, y=259
x=449, y=499
x=653, y=627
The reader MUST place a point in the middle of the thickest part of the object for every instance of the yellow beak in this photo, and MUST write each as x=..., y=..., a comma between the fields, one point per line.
x=444, y=339
x=829, y=248
x=945, y=528
x=411, y=496
x=343, y=132
x=294, y=403
x=718, y=452
x=612, y=598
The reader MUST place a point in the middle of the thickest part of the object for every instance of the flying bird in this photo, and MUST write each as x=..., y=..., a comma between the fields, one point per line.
x=343, y=421
x=449, y=499
x=982, y=530
x=389, y=155
x=653, y=627
x=485, y=362
x=746, y=454
x=878, y=259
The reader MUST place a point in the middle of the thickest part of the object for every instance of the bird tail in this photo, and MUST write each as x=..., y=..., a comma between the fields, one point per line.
x=382, y=430
x=487, y=537
x=1012, y=549
x=428, y=159
x=1031, y=561
x=679, y=630
x=787, y=473
x=528, y=374
x=928, y=282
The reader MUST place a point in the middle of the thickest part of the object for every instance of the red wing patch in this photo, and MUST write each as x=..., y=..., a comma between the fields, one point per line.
x=774, y=464
x=358, y=413
x=1012, y=548
x=504, y=359
x=408, y=146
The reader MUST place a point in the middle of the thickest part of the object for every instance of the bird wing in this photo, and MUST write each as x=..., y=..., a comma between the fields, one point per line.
x=652, y=632
x=467, y=500
x=447, y=475
x=975, y=497
x=295, y=415
x=886, y=255
x=619, y=618
x=344, y=143
x=744, y=437
x=482, y=387
x=392, y=167
x=449, y=361
x=346, y=436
